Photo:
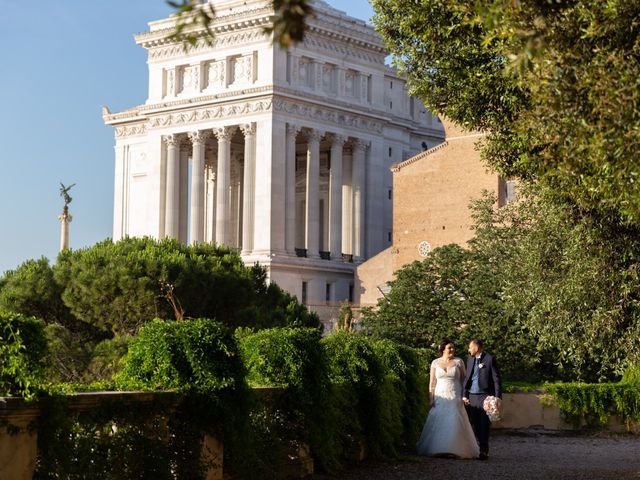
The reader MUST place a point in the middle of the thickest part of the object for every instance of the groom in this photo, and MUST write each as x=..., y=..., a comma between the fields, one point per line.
x=481, y=381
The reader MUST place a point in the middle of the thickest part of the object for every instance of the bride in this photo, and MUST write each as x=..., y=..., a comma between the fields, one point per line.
x=447, y=430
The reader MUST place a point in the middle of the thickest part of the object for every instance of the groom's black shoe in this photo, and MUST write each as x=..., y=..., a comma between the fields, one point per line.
x=483, y=456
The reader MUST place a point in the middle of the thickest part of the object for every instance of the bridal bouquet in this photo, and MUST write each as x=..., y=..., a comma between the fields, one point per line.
x=491, y=405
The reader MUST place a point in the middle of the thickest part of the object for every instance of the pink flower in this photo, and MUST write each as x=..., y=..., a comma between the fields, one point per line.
x=491, y=406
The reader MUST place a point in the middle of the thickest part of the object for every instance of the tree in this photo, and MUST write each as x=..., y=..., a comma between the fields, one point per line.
x=536, y=282
x=555, y=84
x=31, y=290
x=118, y=287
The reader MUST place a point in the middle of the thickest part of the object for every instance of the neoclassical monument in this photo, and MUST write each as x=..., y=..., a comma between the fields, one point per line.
x=284, y=155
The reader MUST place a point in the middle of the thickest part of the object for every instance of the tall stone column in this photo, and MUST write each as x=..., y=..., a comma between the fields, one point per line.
x=290, y=193
x=65, y=220
x=210, y=216
x=196, y=221
x=223, y=179
x=312, y=223
x=184, y=191
x=358, y=182
x=248, y=199
x=335, y=197
x=172, y=216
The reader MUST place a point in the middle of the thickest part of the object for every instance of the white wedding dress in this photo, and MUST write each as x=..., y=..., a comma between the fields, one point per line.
x=447, y=429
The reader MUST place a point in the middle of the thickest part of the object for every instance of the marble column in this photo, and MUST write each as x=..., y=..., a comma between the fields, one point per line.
x=196, y=220
x=210, y=215
x=312, y=222
x=248, y=200
x=335, y=197
x=290, y=193
x=358, y=182
x=65, y=220
x=172, y=217
x=223, y=179
x=184, y=192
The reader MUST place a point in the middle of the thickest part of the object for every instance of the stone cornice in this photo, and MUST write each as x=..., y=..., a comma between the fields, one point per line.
x=343, y=46
x=302, y=105
x=221, y=24
x=396, y=167
x=171, y=50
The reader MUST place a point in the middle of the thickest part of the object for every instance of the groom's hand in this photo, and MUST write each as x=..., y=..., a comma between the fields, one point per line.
x=465, y=401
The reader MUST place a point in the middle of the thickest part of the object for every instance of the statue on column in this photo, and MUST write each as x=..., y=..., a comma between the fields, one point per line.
x=66, y=217
x=64, y=193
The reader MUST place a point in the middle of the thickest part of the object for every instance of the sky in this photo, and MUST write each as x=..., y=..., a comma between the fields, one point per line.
x=60, y=61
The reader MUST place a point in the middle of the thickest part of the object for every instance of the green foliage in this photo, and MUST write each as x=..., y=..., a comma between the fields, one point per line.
x=69, y=354
x=551, y=82
x=116, y=440
x=595, y=403
x=119, y=286
x=457, y=293
x=23, y=347
x=340, y=393
x=345, y=318
x=379, y=394
x=198, y=356
x=631, y=375
x=31, y=290
x=575, y=288
x=292, y=359
x=550, y=296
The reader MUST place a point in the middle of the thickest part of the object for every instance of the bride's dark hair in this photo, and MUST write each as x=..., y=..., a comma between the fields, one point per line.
x=443, y=344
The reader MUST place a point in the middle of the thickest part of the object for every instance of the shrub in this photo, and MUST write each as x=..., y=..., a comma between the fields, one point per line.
x=293, y=360
x=378, y=391
x=23, y=347
x=198, y=356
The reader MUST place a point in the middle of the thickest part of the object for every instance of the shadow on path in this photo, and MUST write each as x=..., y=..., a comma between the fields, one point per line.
x=519, y=457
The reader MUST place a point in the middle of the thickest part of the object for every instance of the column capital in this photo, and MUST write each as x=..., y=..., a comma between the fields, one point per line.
x=173, y=140
x=199, y=136
x=248, y=129
x=360, y=144
x=336, y=140
x=225, y=133
x=314, y=135
x=293, y=129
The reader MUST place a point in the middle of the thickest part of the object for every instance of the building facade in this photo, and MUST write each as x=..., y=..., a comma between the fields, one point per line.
x=281, y=154
x=432, y=193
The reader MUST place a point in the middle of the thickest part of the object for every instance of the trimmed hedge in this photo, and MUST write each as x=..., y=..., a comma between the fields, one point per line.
x=342, y=393
x=196, y=356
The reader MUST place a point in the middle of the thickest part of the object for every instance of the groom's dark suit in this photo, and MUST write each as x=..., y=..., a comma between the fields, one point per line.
x=489, y=383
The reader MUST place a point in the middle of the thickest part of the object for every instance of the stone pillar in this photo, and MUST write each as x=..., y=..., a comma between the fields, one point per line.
x=210, y=215
x=358, y=182
x=335, y=197
x=184, y=192
x=248, y=200
x=196, y=221
x=223, y=211
x=172, y=216
x=290, y=194
x=65, y=220
x=312, y=223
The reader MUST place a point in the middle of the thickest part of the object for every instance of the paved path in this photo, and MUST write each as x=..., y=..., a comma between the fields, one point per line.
x=529, y=457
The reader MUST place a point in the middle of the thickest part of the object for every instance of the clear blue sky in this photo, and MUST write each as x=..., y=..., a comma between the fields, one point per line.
x=61, y=61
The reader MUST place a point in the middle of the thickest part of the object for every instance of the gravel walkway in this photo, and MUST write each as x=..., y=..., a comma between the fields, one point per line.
x=520, y=457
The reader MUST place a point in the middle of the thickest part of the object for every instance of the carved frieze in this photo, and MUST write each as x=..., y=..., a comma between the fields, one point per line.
x=165, y=52
x=131, y=130
x=210, y=113
x=327, y=116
